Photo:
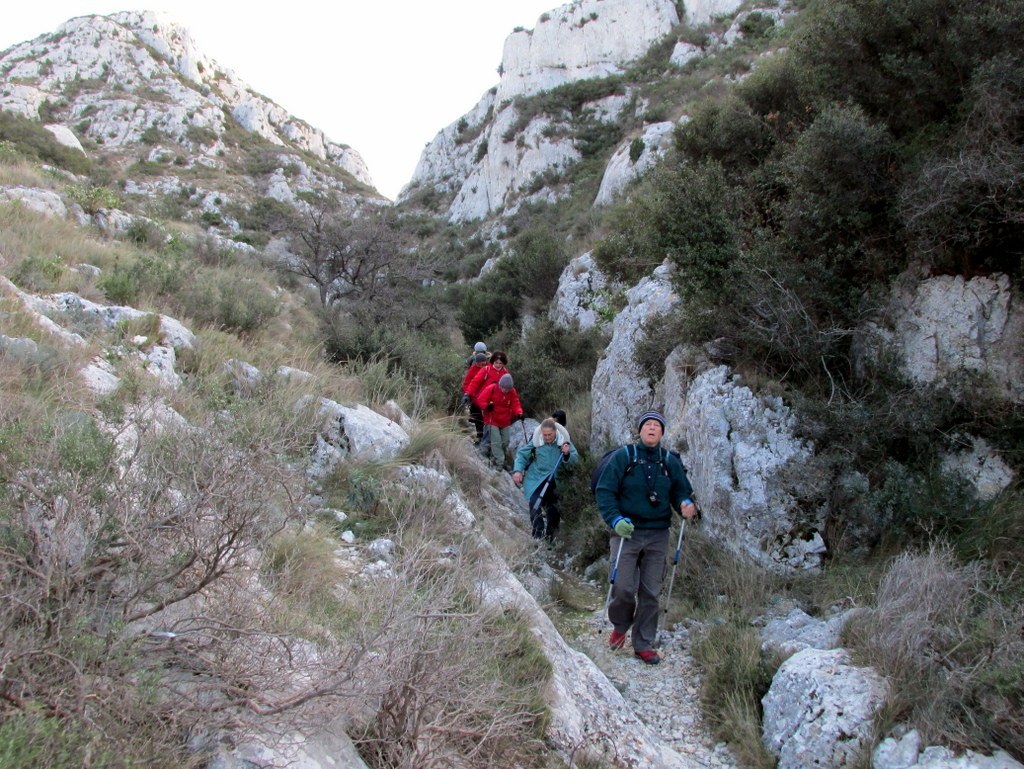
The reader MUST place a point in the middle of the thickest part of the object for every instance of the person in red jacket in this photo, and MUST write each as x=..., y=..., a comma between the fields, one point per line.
x=479, y=360
x=489, y=374
x=500, y=405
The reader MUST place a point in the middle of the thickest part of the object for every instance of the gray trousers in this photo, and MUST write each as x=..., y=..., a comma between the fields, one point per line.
x=638, y=581
x=500, y=438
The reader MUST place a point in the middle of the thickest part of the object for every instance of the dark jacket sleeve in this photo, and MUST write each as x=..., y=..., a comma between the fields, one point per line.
x=681, y=488
x=607, y=491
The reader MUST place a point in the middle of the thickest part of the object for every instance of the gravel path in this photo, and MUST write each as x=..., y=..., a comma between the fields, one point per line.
x=664, y=696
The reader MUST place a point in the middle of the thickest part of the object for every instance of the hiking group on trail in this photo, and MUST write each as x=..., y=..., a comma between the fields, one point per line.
x=637, y=487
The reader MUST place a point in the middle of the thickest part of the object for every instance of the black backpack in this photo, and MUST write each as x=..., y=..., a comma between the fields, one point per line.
x=602, y=463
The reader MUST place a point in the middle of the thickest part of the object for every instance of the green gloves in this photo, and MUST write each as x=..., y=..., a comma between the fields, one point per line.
x=624, y=528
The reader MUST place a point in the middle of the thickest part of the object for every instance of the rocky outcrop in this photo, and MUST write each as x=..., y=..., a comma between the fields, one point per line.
x=980, y=466
x=626, y=165
x=818, y=711
x=748, y=470
x=700, y=12
x=44, y=202
x=908, y=752
x=945, y=326
x=579, y=40
x=492, y=158
x=504, y=166
x=621, y=392
x=585, y=296
x=128, y=76
x=798, y=631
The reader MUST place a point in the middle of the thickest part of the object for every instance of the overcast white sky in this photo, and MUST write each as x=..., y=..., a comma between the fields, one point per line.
x=382, y=77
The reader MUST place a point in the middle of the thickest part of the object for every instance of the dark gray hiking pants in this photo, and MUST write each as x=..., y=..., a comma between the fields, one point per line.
x=637, y=584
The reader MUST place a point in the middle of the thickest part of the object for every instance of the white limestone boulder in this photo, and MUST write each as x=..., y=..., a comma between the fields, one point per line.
x=749, y=471
x=620, y=391
x=585, y=295
x=622, y=170
x=41, y=201
x=172, y=332
x=65, y=136
x=907, y=753
x=798, y=630
x=818, y=711
x=352, y=430
x=981, y=466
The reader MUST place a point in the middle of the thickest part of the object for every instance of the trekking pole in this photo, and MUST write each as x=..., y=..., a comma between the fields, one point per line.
x=615, y=571
x=675, y=561
x=523, y=423
x=544, y=488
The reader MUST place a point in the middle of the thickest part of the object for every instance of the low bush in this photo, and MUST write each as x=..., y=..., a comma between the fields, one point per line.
x=951, y=645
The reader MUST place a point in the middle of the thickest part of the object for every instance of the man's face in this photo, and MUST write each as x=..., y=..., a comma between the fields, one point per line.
x=650, y=432
x=548, y=434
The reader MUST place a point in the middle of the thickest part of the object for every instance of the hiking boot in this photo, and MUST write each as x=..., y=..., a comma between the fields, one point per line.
x=649, y=657
x=617, y=640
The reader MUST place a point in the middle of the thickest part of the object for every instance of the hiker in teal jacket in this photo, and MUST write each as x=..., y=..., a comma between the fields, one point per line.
x=536, y=462
x=640, y=488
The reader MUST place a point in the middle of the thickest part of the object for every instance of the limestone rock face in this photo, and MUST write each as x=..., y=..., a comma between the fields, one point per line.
x=621, y=392
x=947, y=325
x=622, y=169
x=702, y=11
x=748, y=470
x=503, y=167
x=128, y=73
x=493, y=158
x=584, y=294
x=819, y=710
x=583, y=39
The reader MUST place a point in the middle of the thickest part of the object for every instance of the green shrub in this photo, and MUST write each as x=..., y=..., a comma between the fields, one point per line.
x=226, y=301
x=524, y=279
x=636, y=149
x=552, y=364
x=756, y=25
x=93, y=198
x=728, y=132
x=39, y=273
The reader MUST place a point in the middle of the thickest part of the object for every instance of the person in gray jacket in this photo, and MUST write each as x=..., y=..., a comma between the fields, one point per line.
x=639, y=489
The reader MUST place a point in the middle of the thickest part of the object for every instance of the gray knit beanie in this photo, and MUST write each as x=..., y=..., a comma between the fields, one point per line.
x=505, y=383
x=479, y=347
x=647, y=415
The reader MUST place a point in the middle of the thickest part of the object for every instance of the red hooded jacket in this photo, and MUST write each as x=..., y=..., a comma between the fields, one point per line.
x=471, y=373
x=482, y=378
x=506, y=405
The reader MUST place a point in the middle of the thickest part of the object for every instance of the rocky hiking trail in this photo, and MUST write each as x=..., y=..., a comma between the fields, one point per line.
x=665, y=697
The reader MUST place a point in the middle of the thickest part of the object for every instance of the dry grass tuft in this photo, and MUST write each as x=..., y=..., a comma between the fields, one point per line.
x=951, y=644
